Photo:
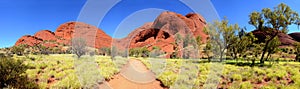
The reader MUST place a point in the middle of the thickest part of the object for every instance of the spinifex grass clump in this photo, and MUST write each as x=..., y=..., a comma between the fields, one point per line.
x=61, y=68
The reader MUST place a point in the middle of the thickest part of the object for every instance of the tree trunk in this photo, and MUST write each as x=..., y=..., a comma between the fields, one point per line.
x=263, y=54
x=208, y=57
x=268, y=56
x=221, y=57
x=253, y=62
x=266, y=46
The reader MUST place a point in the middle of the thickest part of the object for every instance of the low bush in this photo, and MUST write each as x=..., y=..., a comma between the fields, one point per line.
x=167, y=78
x=269, y=86
x=259, y=71
x=236, y=77
x=246, y=85
x=12, y=74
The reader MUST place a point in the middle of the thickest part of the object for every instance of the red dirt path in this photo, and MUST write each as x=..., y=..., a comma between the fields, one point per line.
x=133, y=75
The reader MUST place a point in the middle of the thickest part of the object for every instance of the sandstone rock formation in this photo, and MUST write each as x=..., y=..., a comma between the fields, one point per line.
x=45, y=35
x=28, y=40
x=285, y=39
x=295, y=36
x=161, y=33
x=95, y=37
x=62, y=36
x=174, y=23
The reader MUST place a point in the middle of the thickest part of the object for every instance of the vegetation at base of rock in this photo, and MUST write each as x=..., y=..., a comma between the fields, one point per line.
x=12, y=74
x=283, y=74
x=79, y=46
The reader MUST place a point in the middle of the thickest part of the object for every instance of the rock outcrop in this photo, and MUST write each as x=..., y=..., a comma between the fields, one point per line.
x=173, y=23
x=161, y=33
x=94, y=36
x=295, y=36
x=285, y=39
x=64, y=33
x=29, y=40
x=45, y=35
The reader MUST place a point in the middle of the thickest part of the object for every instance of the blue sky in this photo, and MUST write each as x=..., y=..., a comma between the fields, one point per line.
x=22, y=17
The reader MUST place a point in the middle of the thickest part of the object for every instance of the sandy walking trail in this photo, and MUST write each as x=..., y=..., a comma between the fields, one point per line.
x=134, y=75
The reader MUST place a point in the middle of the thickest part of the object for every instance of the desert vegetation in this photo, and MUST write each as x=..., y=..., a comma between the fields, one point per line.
x=230, y=58
x=54, y=71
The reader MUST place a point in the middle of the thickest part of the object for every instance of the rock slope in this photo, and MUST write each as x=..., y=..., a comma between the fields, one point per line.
x=64, y=33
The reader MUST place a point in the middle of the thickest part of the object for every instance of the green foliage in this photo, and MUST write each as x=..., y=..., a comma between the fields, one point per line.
x=271, y=86
x=243, y=43
x=61, y=67
x=167, y=78
x=156, y=52
x=222, y=35
x=273, y=46
x=19, y=50
x=297, y=49
x=259, y=71
x=139, y=52
x=199, y=41
x=271, y=22
x=12, y=74
x=105, y=51
x=236, y=77
x=208, y=49
x=178, y=39
x=69, y=82
x=186, y=40
x=246, y=85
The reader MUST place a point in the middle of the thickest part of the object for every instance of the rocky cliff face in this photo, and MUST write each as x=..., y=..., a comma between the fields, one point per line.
x=45, y=35
x=161, y=33
x=173, y=23
x=29, y=40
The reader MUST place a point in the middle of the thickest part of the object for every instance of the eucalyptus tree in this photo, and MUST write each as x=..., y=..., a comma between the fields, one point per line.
x=272, y=22
x=79, y=46
x=222, y=36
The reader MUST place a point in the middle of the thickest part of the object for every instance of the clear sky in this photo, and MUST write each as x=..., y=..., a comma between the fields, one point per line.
x=25, y=17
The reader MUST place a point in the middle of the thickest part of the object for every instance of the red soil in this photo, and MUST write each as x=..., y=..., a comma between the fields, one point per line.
x=134, y=75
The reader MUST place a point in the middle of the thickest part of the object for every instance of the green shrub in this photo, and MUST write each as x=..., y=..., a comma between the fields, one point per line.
x=236, y=77
x=168, y=78
x=296, y=80
x=246, y=85
x=291, y=87
x=31, y=73
x=259, y=71
x=246, y=75
x=13, y=74
x=271, y=86
x=235, y=85
x=60, y=75
x=258, y=79
x=43, y=85
x=280, y=74
x=69, y=82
